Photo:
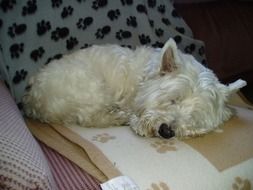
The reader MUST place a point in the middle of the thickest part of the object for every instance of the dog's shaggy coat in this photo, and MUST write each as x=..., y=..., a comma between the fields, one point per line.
x=158, y=92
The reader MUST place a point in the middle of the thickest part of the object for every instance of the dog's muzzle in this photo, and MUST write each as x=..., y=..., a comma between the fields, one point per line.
x=166, y=131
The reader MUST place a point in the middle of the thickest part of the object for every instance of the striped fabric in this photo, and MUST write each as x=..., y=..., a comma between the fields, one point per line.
x=23, y=165
x=68, y=175
x=22, y=162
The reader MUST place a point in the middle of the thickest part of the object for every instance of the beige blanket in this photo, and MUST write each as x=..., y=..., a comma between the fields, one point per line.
x=224, y=157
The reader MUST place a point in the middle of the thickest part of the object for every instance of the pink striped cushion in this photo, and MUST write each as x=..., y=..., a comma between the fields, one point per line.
x=22, y=163
x=68, y=175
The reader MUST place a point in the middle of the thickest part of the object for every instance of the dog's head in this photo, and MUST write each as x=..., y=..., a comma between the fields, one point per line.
x=184, y=99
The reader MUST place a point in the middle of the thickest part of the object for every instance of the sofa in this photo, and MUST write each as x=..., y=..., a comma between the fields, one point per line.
x=28, y=163
x=226, y=28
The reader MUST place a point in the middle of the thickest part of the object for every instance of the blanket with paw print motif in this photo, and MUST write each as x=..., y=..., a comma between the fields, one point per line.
x=220, y=160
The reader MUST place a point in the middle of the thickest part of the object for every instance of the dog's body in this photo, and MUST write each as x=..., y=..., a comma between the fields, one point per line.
x=157, y=92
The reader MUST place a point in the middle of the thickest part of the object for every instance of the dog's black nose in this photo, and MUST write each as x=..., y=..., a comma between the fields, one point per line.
x=165, y=131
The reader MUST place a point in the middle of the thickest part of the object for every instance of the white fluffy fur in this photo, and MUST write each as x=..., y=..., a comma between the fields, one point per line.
x=109, y=85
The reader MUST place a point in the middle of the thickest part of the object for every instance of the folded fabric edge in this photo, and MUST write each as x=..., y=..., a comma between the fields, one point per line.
x=72, y=151
x=95, y=154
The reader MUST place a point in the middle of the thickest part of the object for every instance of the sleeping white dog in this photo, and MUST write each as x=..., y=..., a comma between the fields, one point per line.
x=158, y=92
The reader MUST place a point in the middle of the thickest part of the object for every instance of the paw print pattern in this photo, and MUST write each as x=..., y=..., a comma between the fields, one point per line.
x=126, y=46
x=163, y=146
x=67, y=11
x=56, y=3
x=159, y=32
x=166, y=21
x=113, y=14
x=190, y=48
x=7, y=5
x=86, y=46
x=151, y=3
x=201, y=50
x=151, y=23
x=42, y=27
x=175, y=14
x=178, y=39
x=30, y=8
x=204, y=62
x=16, y=49
x=99, y=4
x=241, y=184
x=103, y=138
x=19, y=76
x=101, y=32
x=158, y=44
x=59, y=33
x=37, y=54
x=144, y=39
x=71, y=43
x=126, y=2
x=121, y=34
x=159, y=186
x=141, y=9
x=180, y=30
x=16, y=29
x=161, y=9
x=83, y=23
x=131, y=21
x=57, y=56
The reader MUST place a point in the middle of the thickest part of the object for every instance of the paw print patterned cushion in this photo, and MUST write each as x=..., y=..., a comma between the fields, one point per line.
x=33, y=32
x=222, y=160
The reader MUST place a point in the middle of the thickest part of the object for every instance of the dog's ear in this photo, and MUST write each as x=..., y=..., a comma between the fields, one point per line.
x=236, y=86
x=232, y=88
x=169, y=57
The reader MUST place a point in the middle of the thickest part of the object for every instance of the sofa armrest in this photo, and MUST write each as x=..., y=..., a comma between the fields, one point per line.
x=22, y=162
